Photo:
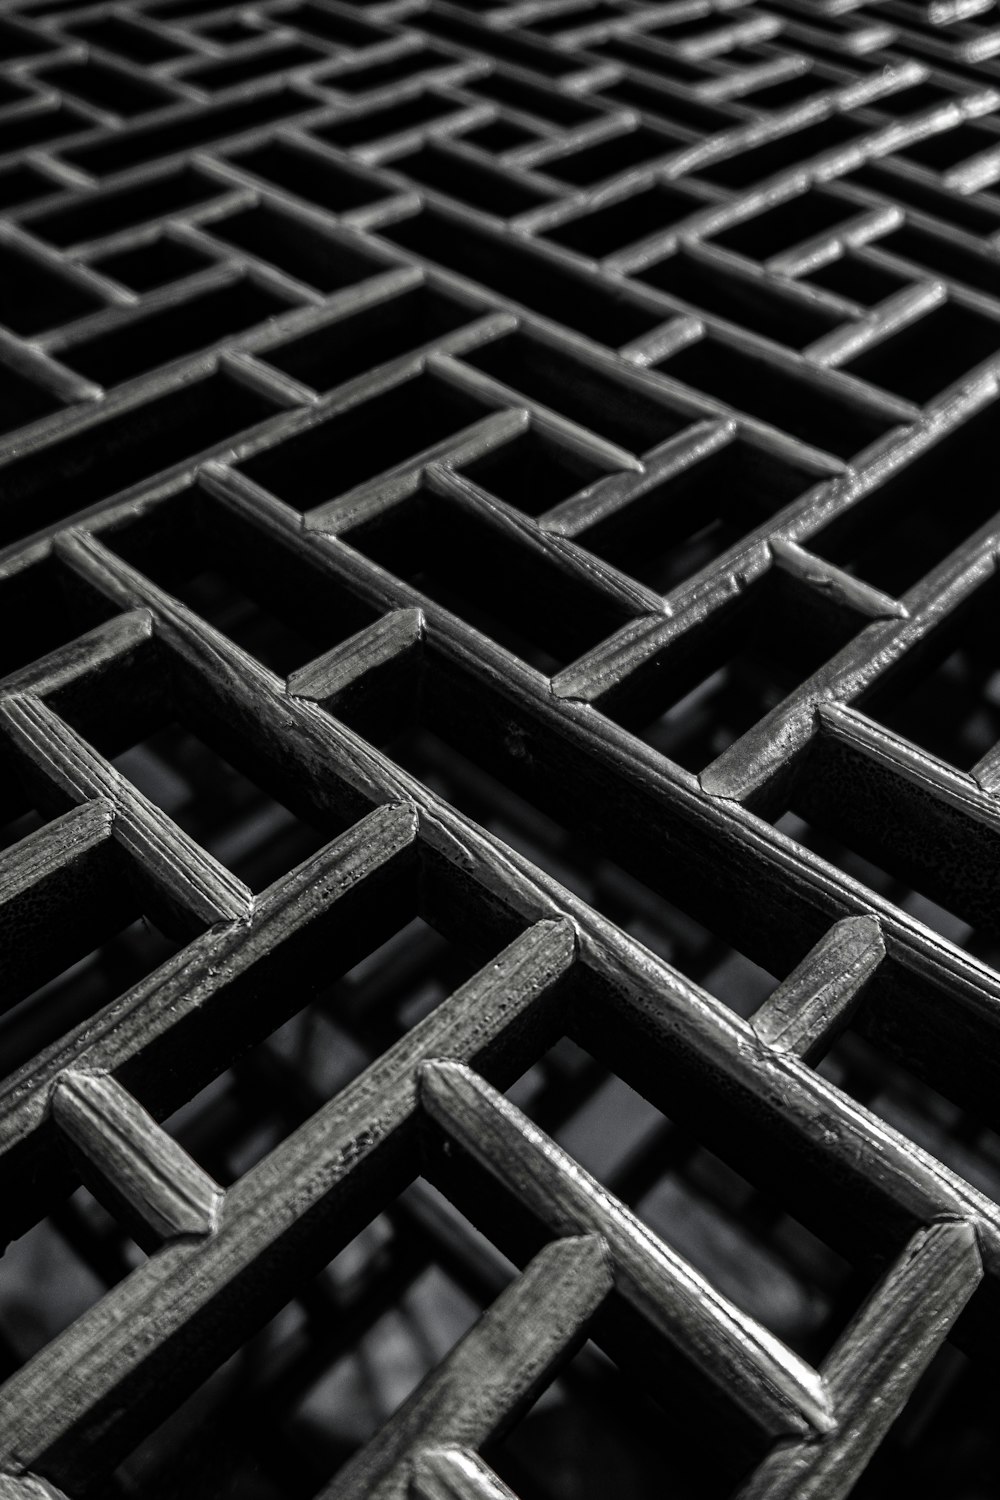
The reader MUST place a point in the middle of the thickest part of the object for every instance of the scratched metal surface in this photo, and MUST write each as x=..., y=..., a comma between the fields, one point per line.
x=499, y=729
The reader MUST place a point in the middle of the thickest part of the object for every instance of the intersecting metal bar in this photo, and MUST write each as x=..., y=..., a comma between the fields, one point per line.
x=502, y=492
x=510, y=1354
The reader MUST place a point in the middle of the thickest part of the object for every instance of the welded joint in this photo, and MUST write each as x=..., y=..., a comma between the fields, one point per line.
x=134, y=1157
x=819, y=998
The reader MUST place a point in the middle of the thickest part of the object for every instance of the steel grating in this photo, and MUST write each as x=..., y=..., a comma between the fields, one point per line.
x=501, y=741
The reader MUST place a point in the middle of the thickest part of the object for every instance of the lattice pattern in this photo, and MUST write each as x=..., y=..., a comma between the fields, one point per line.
x=406, y=399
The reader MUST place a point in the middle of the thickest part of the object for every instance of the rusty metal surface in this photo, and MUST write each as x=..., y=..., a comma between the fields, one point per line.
x=500, y=719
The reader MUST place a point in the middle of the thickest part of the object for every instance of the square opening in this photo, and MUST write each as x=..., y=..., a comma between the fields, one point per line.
x=35, y=298
x=157, y=263
x=913, y=100
x=584, y=392
x=369, y=125
x=490, y=579
x=754, y=163
x=140, y=344
x=788, y=92
x=43, y=485
x=58, y=1271
x=22, y=401
x=245, y=1112
x=263, y=596
x=485, y=780
x=22, y=41
x=525, y=275
x=909, y=1055
x=533, y=473
x=128, y=37
x=17, y=826
x=107, y=87
x=208, y=765
x=906, y=507
x=679, y=525
x=94, y=216
x=611, y=156
x=307, y=174
x=940, y=1127
x=363, y=442
x=499, y=135
x=947, y=149
x=347, y=33
x=742, y=1241
x=859, y=279
x=597, y=1424
x=972, y=213
x=889, y=834
x=403, y=67
x=19, y=132
x=930, y=353
x=652, y=57
x=568, y=857
x=719, y=679
x=82, y=932
x=819, y=416
x=309, y=1389
x=260, y=64
x=23, y=184
x=474, y=183
x=944, y=1439
x=507, y=46
x=779, y=228
x=747, y=301
x=534, y=99
x=681, y=29
x=603, y=231
x=574, y=18
x=231, y=817
x=365, y=340
x=12, y=92
x=281, y=1029
x=229, y=33
x=72, y=996
x=944, y=694
x=301, y=250
x=943, y=255
x=667, y=106
x=825, y=838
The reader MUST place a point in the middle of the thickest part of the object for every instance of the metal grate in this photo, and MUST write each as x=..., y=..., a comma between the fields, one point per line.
x=501, y=966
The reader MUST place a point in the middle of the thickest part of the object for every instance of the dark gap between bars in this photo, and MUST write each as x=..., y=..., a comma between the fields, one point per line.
x=140, y=344
x=868, y=537
x=364, y=340
x=821, y=417
x=490, y=579
x=430, y=747
x=759, y=1256
x=299, y=249
x=675, y=527
x=857, y=278
x=717, y=680
x=261, y=595
x=118, y=450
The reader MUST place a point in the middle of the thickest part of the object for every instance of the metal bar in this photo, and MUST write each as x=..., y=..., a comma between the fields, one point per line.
x=498, y=561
